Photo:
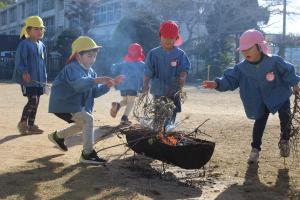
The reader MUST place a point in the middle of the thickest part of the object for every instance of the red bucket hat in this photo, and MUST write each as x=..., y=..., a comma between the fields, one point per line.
x=135, y=53
x=169, y=29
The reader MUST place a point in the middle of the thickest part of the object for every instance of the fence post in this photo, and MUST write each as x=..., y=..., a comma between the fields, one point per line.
x=208, y=72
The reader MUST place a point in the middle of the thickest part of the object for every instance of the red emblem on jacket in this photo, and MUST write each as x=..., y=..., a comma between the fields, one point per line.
x=174, y=63
x=270, y=76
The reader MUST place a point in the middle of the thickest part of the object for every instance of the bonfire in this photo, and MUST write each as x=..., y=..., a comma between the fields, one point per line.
x=152, y=137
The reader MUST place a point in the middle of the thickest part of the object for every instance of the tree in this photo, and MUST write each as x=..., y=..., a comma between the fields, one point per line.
x=64, y=41
x=189, y=14
x=5, y=3
x=291, y=41
x=231, y=18
x=83, y=13
x=142, y=28
x=279, y=7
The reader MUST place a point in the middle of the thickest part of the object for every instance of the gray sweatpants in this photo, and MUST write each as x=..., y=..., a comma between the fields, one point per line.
x=127, y=101
x=83, y=123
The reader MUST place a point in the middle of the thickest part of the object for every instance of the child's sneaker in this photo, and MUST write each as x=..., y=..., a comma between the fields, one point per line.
x=34, y=129
x=23, y=128
x=284, y=148
x=59, y=142
x=254, y=156
x=91, y=158
x=125, y=120
x=115, y=106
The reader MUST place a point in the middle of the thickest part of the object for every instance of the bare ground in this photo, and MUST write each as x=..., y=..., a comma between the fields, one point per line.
x=32, y=168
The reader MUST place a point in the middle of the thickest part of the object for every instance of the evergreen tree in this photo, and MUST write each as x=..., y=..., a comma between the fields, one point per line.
x=5, y=3
x=142, y=29
x=64, y=41
x=83, y=13
x=225, y=23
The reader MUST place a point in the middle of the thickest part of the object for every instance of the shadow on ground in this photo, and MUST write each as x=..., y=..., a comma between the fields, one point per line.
x=9, y=138
x=118, y=179
x=253, y=189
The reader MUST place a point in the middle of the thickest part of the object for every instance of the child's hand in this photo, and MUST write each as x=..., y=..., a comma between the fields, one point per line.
x=145, y=89
x=119, y=79
x=26, y=77
x=296, y=89
x=181, y=82
x=209, y=84
x=109, y=82
x=182, y=79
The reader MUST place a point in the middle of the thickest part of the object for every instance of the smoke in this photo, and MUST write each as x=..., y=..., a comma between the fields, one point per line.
x=142, y=28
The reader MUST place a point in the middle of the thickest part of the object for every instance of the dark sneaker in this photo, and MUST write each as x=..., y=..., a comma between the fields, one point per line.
x=284, y=148
x=115, y=107
x=92, y=158
x=34, y=129
x=23, y=128
x=59, y=142
x=125, y=120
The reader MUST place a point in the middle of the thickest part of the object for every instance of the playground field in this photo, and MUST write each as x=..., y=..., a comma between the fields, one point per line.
x=32, y=168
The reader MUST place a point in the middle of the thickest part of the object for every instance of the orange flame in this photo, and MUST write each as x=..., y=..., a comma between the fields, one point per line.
x=169, y=140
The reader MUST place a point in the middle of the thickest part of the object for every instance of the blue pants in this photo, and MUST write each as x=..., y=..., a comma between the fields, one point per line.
x=260, y=124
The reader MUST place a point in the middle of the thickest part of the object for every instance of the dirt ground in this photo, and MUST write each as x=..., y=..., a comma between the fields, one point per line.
x=32, y=168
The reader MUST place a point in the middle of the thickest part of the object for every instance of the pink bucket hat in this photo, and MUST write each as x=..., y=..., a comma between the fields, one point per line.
x=135, y=53
x=252, y=37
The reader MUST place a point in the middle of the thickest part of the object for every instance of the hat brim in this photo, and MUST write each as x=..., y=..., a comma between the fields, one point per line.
x=73, y=54
x=96, y=47
x=179, y=41
x=244, y=47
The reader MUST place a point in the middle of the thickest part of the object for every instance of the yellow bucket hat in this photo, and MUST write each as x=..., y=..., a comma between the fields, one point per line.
x=32, y=21
x=83, y=43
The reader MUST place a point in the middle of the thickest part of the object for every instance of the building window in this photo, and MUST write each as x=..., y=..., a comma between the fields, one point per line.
x=47, y=5
x=32, y=7
x=4, y=18
x=22, y=10
x=13, y=14
x=50, y=25
x=12, y=32
x=60, y=5
x=108, y=13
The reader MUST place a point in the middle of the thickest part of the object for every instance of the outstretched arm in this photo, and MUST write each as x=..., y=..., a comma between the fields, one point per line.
x=209, y=84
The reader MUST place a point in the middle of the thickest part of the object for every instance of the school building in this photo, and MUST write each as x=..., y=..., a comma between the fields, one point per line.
x=109, y=14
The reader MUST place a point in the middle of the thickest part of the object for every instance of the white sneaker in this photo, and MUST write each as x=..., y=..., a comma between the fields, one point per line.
x=284, y=147
x=254, y=156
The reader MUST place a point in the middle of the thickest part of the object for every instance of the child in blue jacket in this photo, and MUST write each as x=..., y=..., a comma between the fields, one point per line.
x=132, y=69
x=72, y=97
x=30, y=72
x=265, y=83
x=167, y=67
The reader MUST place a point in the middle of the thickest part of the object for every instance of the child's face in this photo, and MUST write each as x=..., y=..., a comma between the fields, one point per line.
x=87, y=59
x=36, y=33
x=252, y=54
x=167, y=43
